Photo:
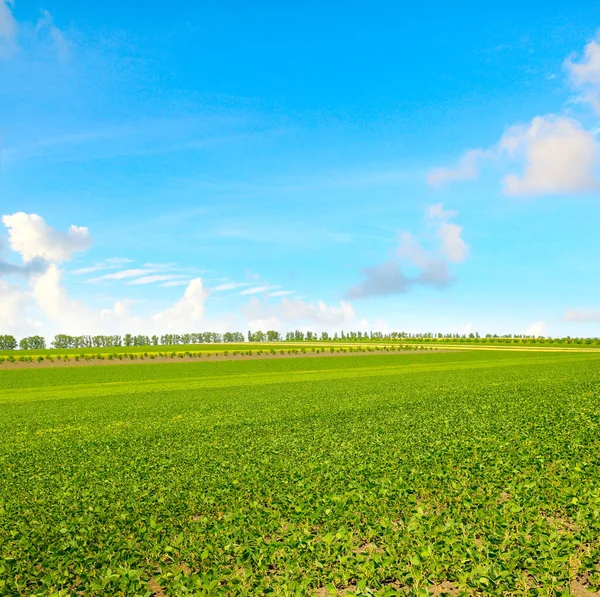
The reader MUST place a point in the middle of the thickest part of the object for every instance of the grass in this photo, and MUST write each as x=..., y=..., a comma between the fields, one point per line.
x=469, y=473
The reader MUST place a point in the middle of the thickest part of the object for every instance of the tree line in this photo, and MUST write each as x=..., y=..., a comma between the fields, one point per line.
x=64, y=341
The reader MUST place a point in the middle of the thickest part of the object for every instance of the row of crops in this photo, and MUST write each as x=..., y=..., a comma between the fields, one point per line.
x=132, y=356
x=465, y=473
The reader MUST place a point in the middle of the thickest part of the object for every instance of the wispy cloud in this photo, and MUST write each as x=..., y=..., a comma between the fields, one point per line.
x=257, y=289
x=158, y=278
x=112, y=263
x=582, y=315
x=122, y=275
x=229, y=286
x=280, y=293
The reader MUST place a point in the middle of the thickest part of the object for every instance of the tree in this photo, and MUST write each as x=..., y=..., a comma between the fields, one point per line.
x=62, y=341
x=8, y=343
x=32, y=343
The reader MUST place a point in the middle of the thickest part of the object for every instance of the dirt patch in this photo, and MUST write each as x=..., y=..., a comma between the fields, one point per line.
x=504, y=497
x=445, y=588
x=368, y=548
x=155, y=588
x=580, y=590
x=562, y=524
x=186, y=359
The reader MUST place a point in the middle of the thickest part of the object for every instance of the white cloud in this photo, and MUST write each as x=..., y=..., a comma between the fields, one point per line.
x=32, y=238
x=71, y=316
x=437, y=212
x=279, y=293
x=157, y=278
x=187, y=312
x=556, y=154
x=46, y=26
x=559, y=156
x=582, y=315
x=122, y=275
x=537, y=329
x=466, y=169
x=61, y=313
x=388, y=277
x=453, y=246
x=8, y=25
x=111, y=263
x=229, y=286
x=67, y=315
x=267, y=315
x=584, y=75
x=319, y=312
x=13, y=305
x=256, y=290
x=587, y=71
x=90, y=269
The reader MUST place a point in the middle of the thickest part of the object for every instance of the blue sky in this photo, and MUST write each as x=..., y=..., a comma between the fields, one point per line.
x=349, y=166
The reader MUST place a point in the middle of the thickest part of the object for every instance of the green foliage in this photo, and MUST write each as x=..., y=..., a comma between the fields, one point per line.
x=477, y=472
x=32, y=343
x=8, y=343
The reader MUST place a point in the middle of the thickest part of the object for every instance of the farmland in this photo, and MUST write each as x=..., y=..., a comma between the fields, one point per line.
x=464, y=472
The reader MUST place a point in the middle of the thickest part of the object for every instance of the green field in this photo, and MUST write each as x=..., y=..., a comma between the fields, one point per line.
x=305, y=346
x=463, y=473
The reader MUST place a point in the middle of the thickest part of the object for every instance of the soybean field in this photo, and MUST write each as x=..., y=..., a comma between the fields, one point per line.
x=429, y=473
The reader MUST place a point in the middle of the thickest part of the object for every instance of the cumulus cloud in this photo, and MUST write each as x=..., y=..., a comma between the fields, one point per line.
x=32, y=238
x=72, y=316
x=537, y=328
x=582, y=315
x=584, y=74
x=556, y=155
x=268, y=315
x=44, y=249
x=559, y=156
x=383, y=279
x=437, y=212
x=187, y=312
x=432, y=266
x=466, y=169
x=453, y=246
x=552, y=154
x=13, y=304
x=66, y=314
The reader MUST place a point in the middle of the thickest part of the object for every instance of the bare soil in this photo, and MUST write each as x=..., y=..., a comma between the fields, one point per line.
x=141, y=360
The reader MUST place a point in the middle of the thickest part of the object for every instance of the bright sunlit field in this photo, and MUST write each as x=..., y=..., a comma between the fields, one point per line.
x=463, y=473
